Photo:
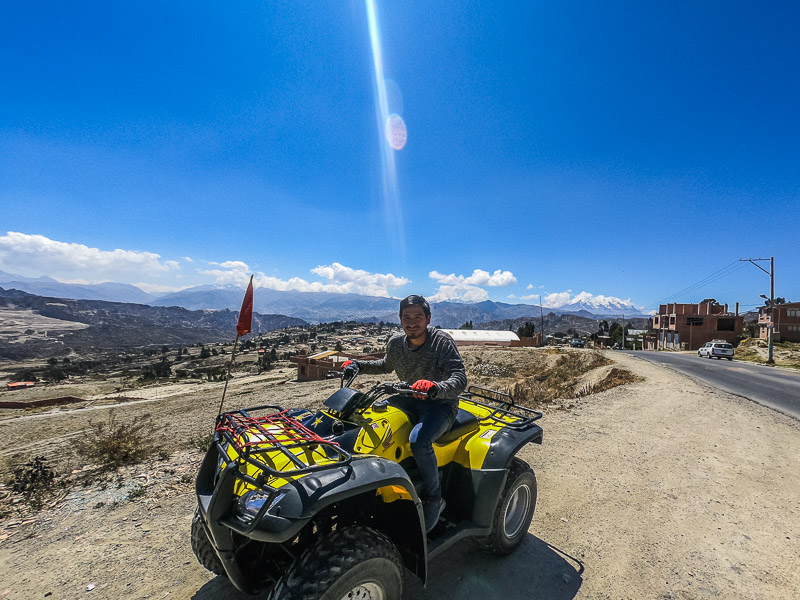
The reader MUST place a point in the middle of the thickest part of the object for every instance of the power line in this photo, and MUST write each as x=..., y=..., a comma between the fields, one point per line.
x=725, y=271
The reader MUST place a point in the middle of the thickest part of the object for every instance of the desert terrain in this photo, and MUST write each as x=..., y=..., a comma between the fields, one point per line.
x=660, y=488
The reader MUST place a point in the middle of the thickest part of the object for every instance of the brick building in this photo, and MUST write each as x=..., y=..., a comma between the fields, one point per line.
x=313, y=367
x=689, y=326
x=787, y=322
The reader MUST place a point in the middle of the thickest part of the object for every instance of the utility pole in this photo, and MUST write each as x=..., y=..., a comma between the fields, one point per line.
x=623, y=331
x=541, y=316
x=771, y=305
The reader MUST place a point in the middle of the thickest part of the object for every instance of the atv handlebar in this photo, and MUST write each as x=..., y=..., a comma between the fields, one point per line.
x=402, y=388
x=350, y=372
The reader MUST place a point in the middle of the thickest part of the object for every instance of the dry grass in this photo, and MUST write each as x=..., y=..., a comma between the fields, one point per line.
x=537, y=377
x=755, y=350
x=111, y=444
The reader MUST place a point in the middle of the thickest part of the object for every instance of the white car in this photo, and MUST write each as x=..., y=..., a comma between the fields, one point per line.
x=716, y=349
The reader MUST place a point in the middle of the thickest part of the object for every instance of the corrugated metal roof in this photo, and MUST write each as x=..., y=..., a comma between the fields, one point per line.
x=319, y=355
x=481, y=335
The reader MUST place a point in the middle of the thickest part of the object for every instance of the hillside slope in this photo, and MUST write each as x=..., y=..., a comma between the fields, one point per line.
x=37, y=326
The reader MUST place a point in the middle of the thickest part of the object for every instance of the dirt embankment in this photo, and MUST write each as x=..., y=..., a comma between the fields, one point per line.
x=661, y=488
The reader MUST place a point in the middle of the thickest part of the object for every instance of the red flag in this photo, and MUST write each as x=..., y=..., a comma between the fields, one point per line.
x=245, y=324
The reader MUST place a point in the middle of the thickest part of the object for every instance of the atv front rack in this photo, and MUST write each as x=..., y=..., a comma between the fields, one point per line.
x=276, y=443
x=518, y=418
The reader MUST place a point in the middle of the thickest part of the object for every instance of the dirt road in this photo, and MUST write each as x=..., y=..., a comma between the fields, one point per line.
x=661, y=489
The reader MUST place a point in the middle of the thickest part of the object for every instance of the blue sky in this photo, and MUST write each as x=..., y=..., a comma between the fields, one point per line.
x=626, y=149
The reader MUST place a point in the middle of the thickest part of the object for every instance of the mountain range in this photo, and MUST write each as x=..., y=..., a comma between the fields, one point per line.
x=41, y=326
x=47, y=286
x=314, y=307
x=325, y=307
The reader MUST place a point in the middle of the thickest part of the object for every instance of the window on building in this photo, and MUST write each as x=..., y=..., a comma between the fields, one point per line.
x=672, y=320
x=726, y=324
x=793, y=327
x=694, y=321
x=793, y=312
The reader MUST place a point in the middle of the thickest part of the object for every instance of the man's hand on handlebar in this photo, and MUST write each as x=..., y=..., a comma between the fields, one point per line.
x=426, y=387
x=349, y=369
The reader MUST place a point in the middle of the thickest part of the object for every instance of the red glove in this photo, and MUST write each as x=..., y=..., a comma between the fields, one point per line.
x=346, y=363
x=423, y=385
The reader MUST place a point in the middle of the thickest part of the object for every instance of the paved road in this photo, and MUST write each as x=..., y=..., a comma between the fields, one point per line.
x=774, y=387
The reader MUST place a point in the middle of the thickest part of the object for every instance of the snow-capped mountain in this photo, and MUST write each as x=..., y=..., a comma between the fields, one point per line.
x=601, y=305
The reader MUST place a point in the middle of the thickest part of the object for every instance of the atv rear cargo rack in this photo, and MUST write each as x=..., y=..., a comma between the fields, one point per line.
x=502, y=405
x=256, y=438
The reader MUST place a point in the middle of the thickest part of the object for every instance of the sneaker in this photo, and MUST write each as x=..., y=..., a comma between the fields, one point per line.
x=432, y=509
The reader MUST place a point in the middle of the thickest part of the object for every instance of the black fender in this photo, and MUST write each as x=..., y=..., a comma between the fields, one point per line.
x=507, y=442
x=296, y=504
x=489, y=481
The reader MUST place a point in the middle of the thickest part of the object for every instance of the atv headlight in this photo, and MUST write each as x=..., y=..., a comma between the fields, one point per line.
x=251, y=503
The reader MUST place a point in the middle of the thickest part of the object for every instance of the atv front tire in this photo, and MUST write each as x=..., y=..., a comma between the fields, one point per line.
x=514, y=511
x=202, y=548
x=353, y=562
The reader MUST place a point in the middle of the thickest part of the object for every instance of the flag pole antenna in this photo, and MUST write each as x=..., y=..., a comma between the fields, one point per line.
x=243, y=327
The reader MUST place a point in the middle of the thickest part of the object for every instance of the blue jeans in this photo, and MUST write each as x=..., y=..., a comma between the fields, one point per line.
x=432, y=420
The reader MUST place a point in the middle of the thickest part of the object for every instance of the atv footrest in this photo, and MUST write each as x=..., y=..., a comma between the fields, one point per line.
x=447, y=533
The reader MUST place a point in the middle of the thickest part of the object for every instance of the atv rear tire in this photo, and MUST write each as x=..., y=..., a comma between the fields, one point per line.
x=353, y=562
x=514, y=511
x=202, y=548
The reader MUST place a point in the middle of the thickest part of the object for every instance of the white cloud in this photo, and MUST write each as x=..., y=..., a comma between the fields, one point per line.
x=37, y=254
x=467, y=288
x=338, y=274
x=339, y=279
x=233, y=272
x=557, y=299
x=462, y=293
x=235, y=265
x=479, y=277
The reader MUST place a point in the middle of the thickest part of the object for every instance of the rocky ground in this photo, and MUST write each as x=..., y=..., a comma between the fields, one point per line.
x=660, y=488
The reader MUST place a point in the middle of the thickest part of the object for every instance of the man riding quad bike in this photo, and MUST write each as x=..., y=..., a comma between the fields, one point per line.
x=325, y=505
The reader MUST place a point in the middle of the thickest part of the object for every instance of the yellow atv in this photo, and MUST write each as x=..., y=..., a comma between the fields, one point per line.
x=318, y=506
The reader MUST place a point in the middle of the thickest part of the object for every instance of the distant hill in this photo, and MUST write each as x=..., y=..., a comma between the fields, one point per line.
x=563, y=322
x=112, y=325
x=311, y=306
x=47, y=286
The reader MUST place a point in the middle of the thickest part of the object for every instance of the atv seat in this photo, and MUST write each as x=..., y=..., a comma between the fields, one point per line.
x=464, y=423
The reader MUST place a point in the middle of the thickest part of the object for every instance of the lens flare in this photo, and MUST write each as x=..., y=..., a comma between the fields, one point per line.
x=390, y=135
x=396, y=133
x=394, y=97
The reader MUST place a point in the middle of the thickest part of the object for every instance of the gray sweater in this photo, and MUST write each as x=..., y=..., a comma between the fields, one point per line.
x=436, y=360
